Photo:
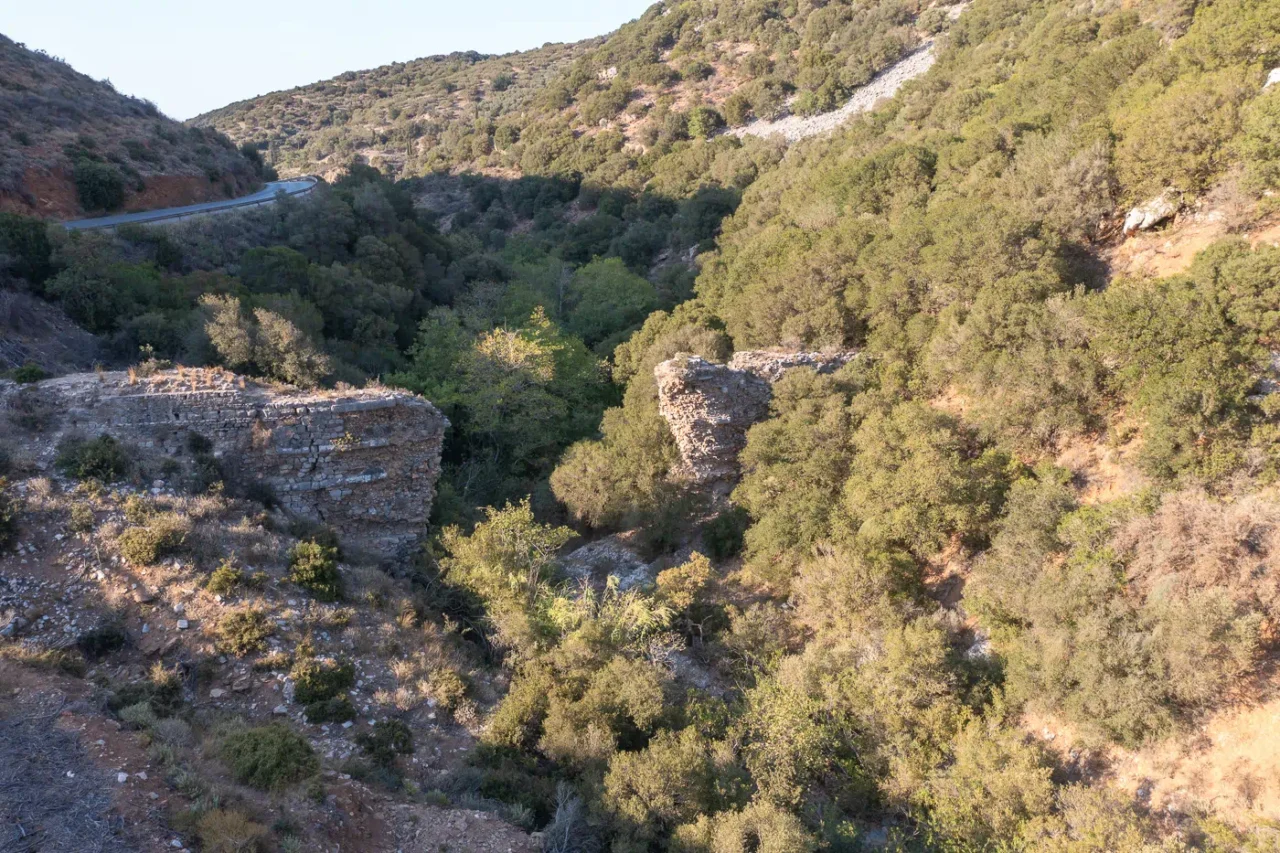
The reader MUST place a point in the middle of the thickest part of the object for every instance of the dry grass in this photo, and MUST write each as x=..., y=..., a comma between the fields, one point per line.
x=51, y=796
x=52, y=660
x=1196, y=542
x=1229, y=767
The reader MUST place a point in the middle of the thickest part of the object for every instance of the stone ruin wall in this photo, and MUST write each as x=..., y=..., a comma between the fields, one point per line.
x=363, y=461
x=709, y=407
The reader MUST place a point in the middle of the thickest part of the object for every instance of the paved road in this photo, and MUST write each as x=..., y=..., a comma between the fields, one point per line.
x=263, y=196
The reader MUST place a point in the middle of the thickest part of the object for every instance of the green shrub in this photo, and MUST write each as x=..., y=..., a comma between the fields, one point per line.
x=389, y=738
x=138, y=509
x=724, y=534
x=82, y=518
x=244, y=632
x=704, y=121
x=29, y=373
x=164, y=535
x=24, y=241
x=996, y=782
x=161, y=691
x=1176, y=135
x=10, y=506
x=139, y=716
x=314, y=567
x=102, y=458
x=206, y=473
x=225, y=578
x=1259, y=143
x=316, y=680
x=448, y=688
x=100, y=186
x=336, y=710
x=268, y=757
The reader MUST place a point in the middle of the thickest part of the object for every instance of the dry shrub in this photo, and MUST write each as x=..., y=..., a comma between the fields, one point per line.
x=1194, y=542
x=65, y=661
x=32, y=410
x=226, y=831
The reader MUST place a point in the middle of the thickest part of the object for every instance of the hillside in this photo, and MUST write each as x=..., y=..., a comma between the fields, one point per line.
x=603, y=108
x=909, y=485
x=70, y=145
x=392, y=116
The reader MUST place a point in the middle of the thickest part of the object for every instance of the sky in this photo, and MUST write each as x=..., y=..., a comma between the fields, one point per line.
x=190, y=57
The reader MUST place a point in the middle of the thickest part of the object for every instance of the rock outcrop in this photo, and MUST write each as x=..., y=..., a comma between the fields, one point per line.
x=709, y=407
x=363, y=461
x=606, y=558
x=1148, y=215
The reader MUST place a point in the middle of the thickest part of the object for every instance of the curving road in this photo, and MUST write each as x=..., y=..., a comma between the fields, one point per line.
x=266, y=195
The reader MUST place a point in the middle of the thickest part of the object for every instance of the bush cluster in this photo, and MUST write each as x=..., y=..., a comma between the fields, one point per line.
x=10, y=507
x=244, y=632
x=100, y=186
x=314, y=567
x=388, y=740
x=102, y=458
x=317, y=680
x=147, y=544
x=268, y=757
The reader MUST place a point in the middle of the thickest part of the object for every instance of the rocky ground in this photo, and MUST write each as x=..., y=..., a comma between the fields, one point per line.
x=795, y=127
x=79, y=773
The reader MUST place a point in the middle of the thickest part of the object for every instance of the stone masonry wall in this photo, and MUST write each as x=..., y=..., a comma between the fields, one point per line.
x=709, y=407
x=362, y=461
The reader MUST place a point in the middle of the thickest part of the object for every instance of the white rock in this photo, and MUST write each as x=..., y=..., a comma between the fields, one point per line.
x=1273, y=77
x=280, y=710
x=122, y=778
x=348, y=724
x=1151, y=213
x=183, y=624
x=141, y=775
x=217, y=693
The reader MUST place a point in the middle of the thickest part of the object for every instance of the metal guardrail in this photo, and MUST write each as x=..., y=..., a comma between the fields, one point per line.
x=202, y=209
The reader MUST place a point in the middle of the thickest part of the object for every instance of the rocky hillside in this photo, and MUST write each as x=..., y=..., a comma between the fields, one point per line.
x=683, y=69
x=392, y=116
x=71, y=145
x=911, y=485
x=187, y=669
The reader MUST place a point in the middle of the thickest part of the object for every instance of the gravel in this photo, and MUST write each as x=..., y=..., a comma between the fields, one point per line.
x=885, y=85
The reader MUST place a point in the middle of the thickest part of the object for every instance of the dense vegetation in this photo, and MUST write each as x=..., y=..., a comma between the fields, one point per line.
x=611, y=110
x=790, y=681
x=507, y=333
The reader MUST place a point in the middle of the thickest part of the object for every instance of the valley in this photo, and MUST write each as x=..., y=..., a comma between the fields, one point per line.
x=776, y=427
